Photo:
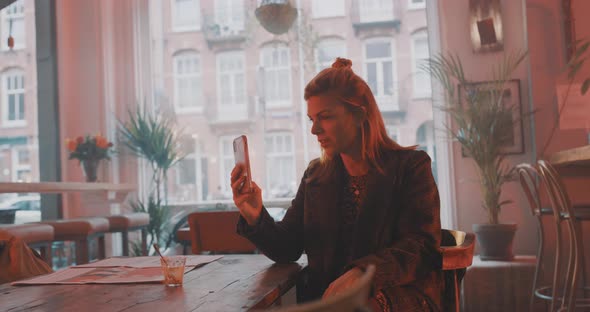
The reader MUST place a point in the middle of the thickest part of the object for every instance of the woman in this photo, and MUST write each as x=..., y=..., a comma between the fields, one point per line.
x=366, y=200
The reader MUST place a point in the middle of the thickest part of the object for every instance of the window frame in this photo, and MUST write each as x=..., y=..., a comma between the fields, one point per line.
x=419, y=34
x=183, y=28
x=17, y=166
x=379, y=97
x=416, y=6
x=376, y=15
x=269, y=156
x=5, y=29
x=9, y=73
x=316, y=13
x=233, y=26
x=319, y=65
x=181, y=56
x=235, y=110
x=286, y=103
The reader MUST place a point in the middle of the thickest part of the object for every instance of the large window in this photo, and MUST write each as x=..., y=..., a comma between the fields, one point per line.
x=188, y=94
x=231, y=86
x=375, y=10
x=13, y=98
x=379, y=66
x=229, y=16
x=421, y=82
x=276, y=63
x=226, y=164
x=327, y=50
x=13, y=24
x=248, y=81
x=323, y=8
x=186, y=15
x=280, y=165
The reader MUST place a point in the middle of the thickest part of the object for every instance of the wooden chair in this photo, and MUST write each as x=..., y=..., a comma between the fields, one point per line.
x=215, y=231
x=351, y=300
x=130, y=222
x=457, y=255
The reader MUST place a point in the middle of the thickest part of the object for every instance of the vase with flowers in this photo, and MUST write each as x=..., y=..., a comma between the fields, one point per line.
x=89, y=150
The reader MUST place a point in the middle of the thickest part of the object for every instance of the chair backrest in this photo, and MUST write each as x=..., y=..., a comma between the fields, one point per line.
x=350, y=300
x=457, y=255
x=215, y=231
x=564, y=211
x=528, y=176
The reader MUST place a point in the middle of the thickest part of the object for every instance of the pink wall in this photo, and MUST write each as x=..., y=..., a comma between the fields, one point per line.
x=455, y=38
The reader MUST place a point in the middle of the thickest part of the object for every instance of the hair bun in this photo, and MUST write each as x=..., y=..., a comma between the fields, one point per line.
x=342, y=63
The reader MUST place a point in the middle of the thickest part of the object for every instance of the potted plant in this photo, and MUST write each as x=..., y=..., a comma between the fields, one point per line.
x=89, y=150
x=483, y=124
x=154, y=139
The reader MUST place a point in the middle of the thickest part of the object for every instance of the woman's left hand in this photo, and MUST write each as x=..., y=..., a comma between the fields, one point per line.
x=343, y=282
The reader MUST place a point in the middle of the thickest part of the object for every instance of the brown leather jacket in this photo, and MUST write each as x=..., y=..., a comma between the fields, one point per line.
x=398, y=229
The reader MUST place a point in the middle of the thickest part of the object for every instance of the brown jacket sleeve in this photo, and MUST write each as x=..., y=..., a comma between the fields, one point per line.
x=281, y=241
x=415, y=254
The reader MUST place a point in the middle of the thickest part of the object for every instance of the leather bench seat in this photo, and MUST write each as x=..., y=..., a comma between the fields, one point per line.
x=128, y=221
x=28, y=233
x=68, y=228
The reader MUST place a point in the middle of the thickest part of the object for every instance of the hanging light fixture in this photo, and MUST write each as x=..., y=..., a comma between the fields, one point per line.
x=276, y=16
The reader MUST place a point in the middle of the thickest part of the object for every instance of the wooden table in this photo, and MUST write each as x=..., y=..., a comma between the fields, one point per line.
x=573, y=162
x=233, y=283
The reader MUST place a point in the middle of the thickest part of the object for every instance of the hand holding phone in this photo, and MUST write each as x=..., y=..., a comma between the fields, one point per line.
x=241, y=156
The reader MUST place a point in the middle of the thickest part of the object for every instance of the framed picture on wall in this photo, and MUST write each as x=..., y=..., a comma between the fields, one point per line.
x=510, y=99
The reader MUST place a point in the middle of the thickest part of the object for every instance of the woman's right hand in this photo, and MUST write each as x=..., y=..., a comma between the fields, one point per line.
x=249, y=203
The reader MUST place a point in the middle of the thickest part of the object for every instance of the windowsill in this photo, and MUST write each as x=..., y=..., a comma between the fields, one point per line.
x=190, y=110
x=13, y=124
x=328, y=16
x=185, y=30
x=422, y=97
x=15, y=49
x=278, y=105
x=416, y=8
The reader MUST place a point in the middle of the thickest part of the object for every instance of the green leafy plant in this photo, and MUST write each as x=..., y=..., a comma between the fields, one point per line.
x=480, y=121
x=153, y=138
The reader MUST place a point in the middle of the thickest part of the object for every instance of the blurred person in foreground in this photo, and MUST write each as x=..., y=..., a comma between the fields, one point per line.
x=365, y=200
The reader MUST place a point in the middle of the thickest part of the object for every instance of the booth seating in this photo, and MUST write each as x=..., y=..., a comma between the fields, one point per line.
x=34, y=235
x=81, y=231
x=126, y=223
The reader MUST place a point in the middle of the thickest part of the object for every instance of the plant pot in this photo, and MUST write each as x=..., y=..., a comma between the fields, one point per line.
x=495, y=241
x=90, y=169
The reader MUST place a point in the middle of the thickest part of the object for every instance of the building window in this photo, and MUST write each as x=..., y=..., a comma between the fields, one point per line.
x=416, y=4
x=21, y=164
x=323, y=8
x=13, y=98
x=425, y=142
x=186, y=15
x=280, y=165
x=231, y=86
x=380, y=72
x=13, y=23
x=226, y=164
x=420, y=55
x=375, y=10
x=277, y=76
x=327, y=51
x=188, y=93
x=393, y=132
x=229, y=16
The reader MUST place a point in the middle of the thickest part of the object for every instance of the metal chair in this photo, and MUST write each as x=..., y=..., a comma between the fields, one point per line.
x=215, y=231
x=563, y=211
x=352, y=299
x=457, y=255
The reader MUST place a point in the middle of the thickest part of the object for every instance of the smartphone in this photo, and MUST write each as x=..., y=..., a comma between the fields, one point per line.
x=241, y=156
